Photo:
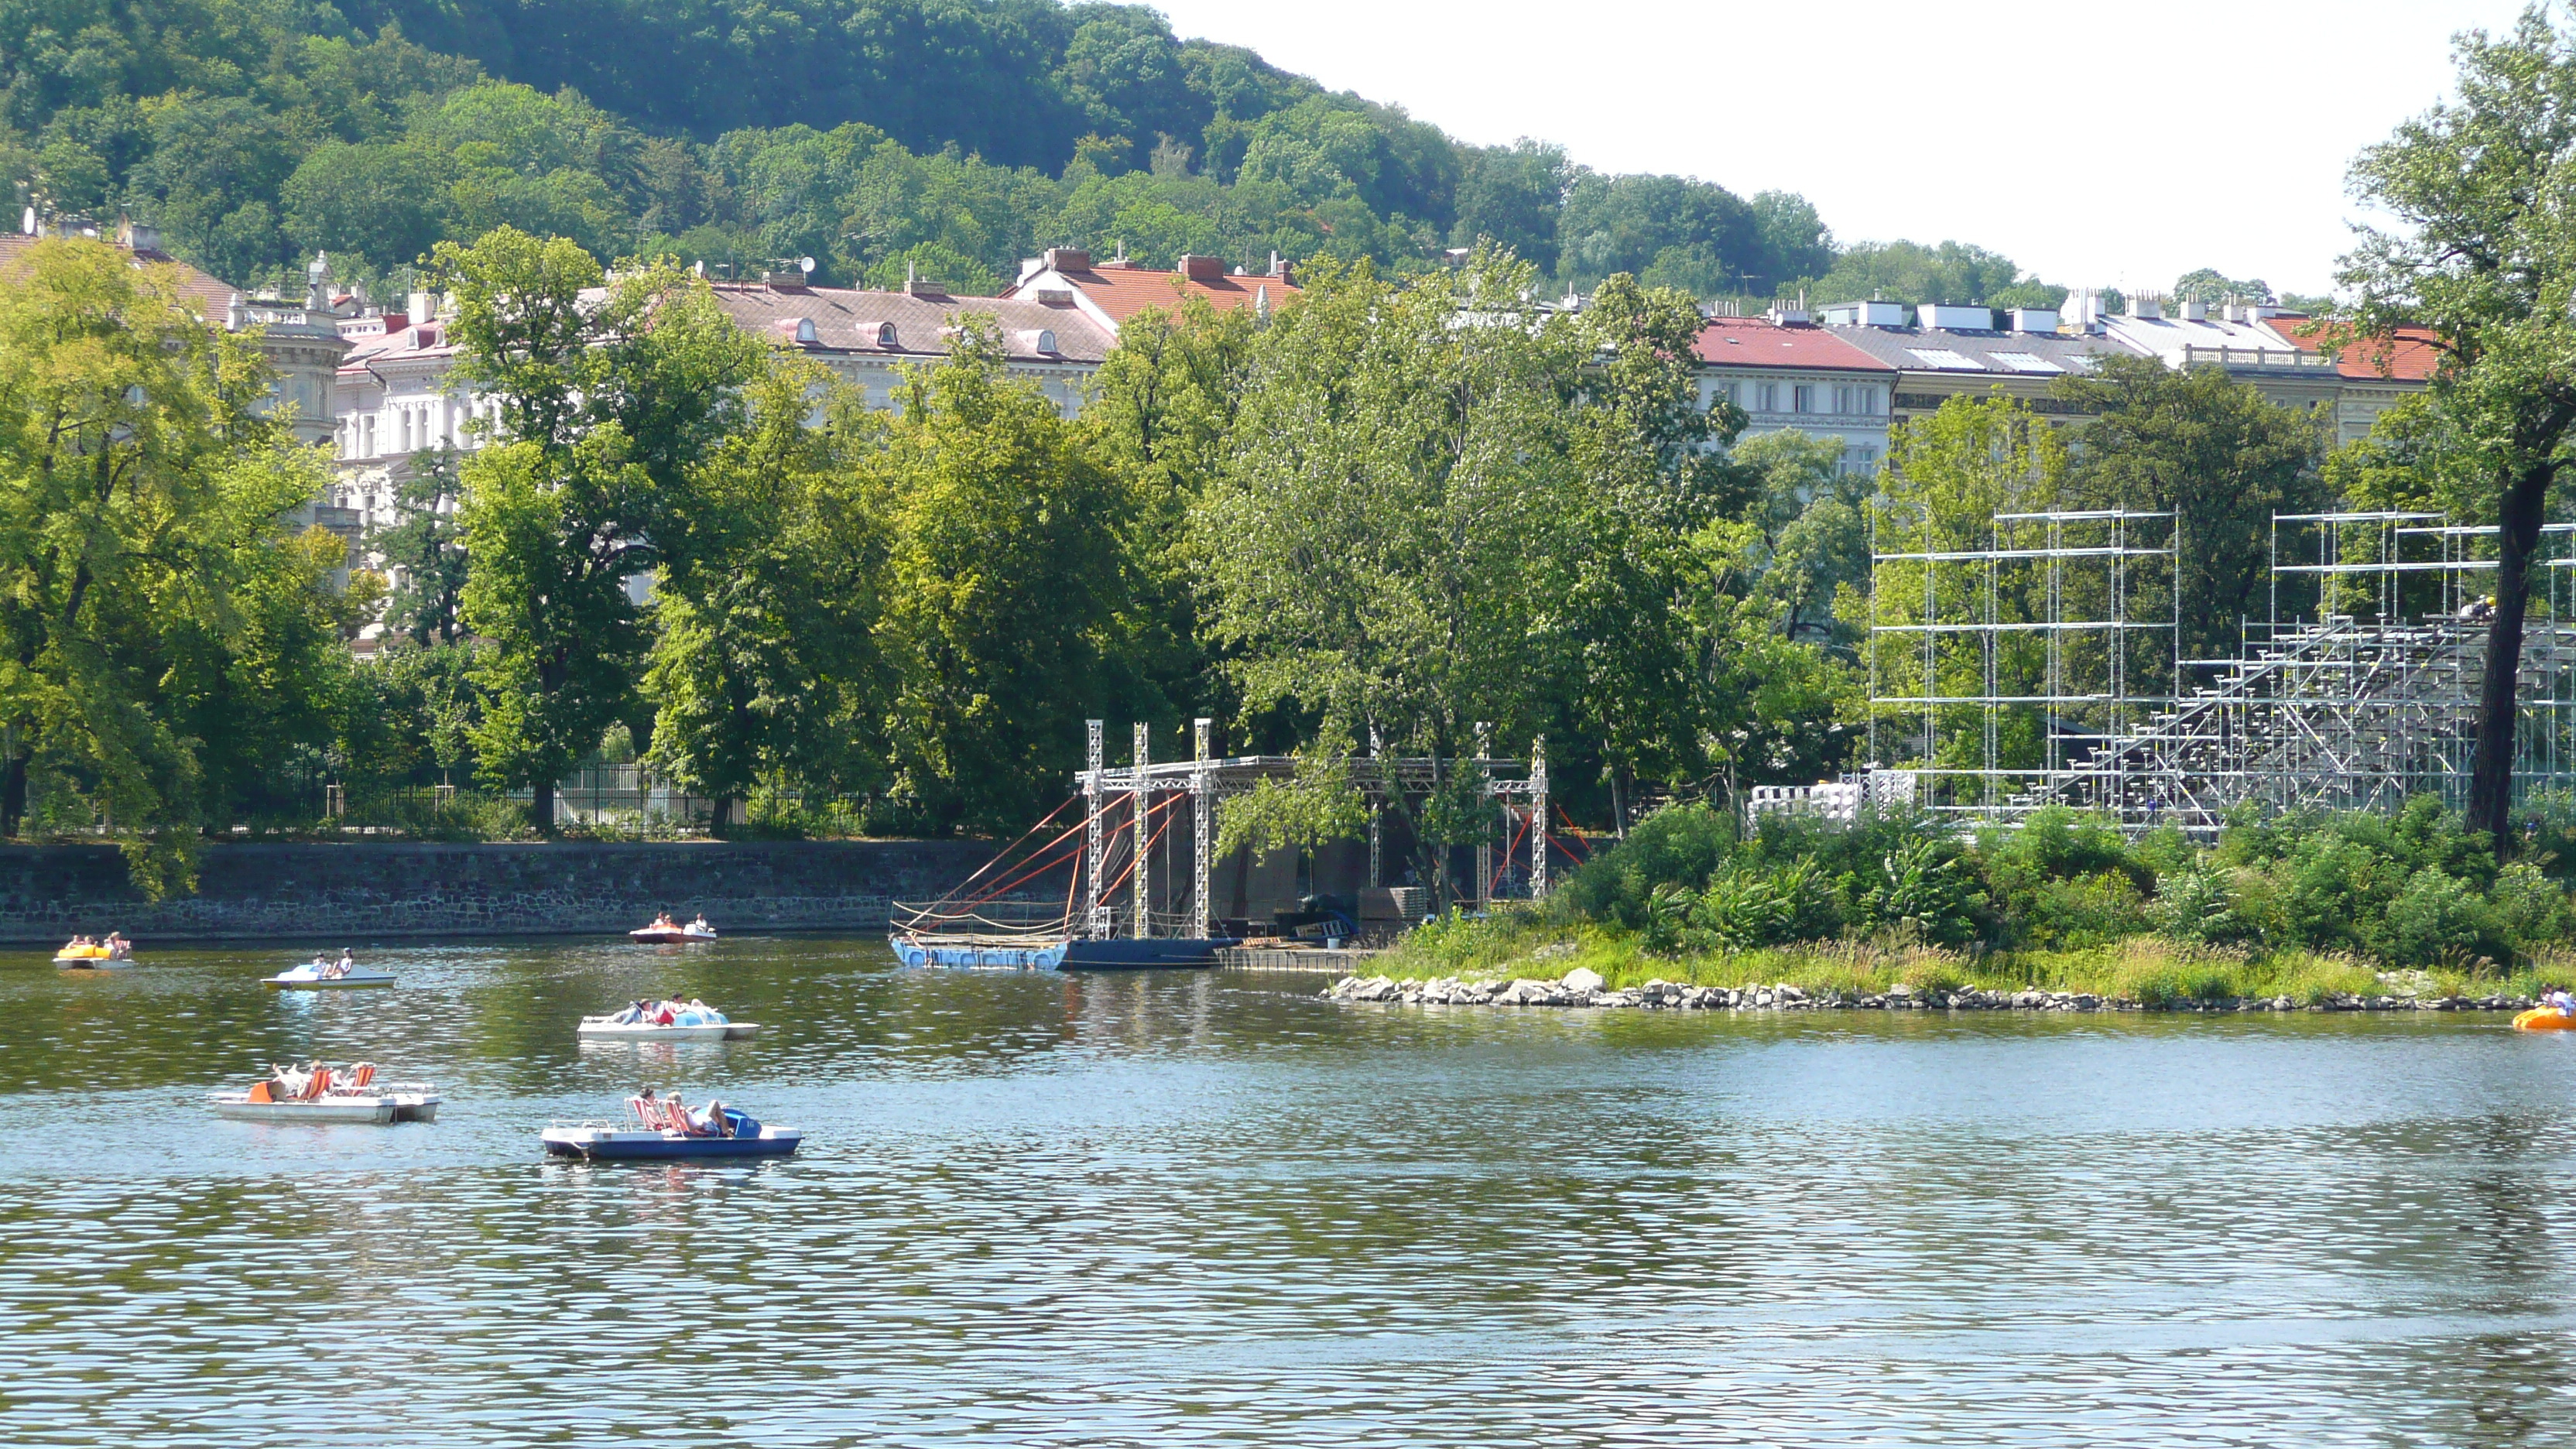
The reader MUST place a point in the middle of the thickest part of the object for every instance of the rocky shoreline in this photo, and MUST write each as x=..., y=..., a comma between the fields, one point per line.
x=1581, y=987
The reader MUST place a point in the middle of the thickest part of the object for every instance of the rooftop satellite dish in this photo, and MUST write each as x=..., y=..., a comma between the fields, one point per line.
x=805, y=265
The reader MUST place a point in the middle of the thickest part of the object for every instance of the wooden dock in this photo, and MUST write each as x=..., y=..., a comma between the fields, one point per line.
x=1295, y=958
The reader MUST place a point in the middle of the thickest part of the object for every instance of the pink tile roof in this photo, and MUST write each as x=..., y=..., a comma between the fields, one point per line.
x=1123, y=289
x=2409, y=356
x=1760, y=342
x=850, y=320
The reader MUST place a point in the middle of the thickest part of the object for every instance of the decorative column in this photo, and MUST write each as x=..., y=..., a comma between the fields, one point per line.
x=1202, y=840
x=1095, y=839
x=1144, y=735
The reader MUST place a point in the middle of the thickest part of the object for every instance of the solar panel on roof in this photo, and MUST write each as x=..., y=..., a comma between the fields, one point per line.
x=1944, y=357
x=2026, y=362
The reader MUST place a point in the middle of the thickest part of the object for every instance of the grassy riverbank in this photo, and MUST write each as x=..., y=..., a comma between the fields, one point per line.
x=2149, y=969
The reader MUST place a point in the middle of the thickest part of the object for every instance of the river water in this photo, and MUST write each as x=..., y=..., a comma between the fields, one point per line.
x=1208, y=1208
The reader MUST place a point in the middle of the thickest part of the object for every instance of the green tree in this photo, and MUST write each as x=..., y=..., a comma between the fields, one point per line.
x=1514, y=196
x=2209, y=449
x=607, y=403
x=1161, y=419
x=1005, y=583
x=425, y=550
x=1814, y=539
x=764, y=663
x=2483, y=259
x=141, y=496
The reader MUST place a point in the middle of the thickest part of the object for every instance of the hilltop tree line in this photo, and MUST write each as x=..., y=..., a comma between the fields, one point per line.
x=949, y=137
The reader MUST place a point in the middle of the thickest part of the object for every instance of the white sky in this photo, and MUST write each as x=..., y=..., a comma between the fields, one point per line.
x=2093, y=143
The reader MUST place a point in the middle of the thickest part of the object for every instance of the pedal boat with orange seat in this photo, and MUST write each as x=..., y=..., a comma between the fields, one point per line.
x=2544, y=1018
x=651, y=1133
x=92, y=957
x=329, y=1095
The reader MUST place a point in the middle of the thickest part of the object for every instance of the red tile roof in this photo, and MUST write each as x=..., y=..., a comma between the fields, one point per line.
x=212, y=296
x=1760, y=342
x=849, y=319
x=1123, y=289
x=2409, y=356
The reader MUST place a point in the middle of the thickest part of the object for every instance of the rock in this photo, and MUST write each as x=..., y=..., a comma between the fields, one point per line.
x=1582, y=979
x=1900, y=989
x=1786, y=992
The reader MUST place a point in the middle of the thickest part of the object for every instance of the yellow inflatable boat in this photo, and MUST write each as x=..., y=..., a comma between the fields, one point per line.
x=2544, y=1018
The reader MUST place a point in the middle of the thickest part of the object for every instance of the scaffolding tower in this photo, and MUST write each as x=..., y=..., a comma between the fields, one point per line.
x=1992, y=667
x=2358, y=691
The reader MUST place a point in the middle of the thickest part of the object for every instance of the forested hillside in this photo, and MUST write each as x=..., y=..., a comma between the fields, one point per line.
x=955, y=136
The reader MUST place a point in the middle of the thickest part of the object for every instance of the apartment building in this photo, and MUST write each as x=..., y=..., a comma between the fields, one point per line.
x=1788, y=374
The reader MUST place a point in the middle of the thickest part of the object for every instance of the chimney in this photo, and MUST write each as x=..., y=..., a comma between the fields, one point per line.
x=2195, y=310
x=2035, y=319
x=1279, y=269
x=1940, y=316
x=420, y=306
x=1068, y=259
x=1202, y=269
x=137, y=238
x=2147, y=307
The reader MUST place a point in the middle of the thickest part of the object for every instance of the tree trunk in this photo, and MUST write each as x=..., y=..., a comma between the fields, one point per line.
x=13, y=796
x=720, y=817
x=541, y=806
x=2491, y=768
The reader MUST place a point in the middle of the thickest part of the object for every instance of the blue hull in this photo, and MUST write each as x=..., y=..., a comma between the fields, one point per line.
x=636, y=1148
x=673, y=1151
x=1115, y=954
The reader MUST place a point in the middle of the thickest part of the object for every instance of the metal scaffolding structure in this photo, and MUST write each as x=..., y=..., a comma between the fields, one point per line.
x=1992, y=667
x=2365, y=695
x=1139, y=803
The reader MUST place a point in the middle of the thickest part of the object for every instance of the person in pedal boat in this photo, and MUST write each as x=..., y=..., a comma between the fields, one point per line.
x=2559, y=1001
x=118, y=948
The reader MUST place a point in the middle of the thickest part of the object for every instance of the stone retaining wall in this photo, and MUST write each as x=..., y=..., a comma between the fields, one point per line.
x=373, y=891
x=1585, y=988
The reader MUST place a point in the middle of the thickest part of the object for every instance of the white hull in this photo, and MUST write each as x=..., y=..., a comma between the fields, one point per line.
x=596, y=1029
x=305, y=978
x=352, y=1107
x=92, y=963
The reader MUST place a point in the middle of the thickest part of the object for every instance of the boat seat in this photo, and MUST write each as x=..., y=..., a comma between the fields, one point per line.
x=361, y=1075
x=321, y=1083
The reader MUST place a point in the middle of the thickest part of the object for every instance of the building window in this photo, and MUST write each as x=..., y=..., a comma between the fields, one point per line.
x=1802, y=398
x=1766, y=398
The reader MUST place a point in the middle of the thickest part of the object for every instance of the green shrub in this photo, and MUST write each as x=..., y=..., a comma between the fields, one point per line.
x=1680, y=845
x=1747, y=907
x=1925, y=891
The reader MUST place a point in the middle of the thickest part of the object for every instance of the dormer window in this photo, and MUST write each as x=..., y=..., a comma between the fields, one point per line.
x=885, y=335
x=1046, y=343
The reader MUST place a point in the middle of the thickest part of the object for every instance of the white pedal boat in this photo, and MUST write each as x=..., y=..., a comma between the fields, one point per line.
x=313, y=976
x=658, y=935
x=94, y=963
x=287, y=1097
x=604, y=1028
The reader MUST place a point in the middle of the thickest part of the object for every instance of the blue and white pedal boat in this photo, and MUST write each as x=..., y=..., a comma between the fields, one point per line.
x=613, y=1142
x=657, y=1131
